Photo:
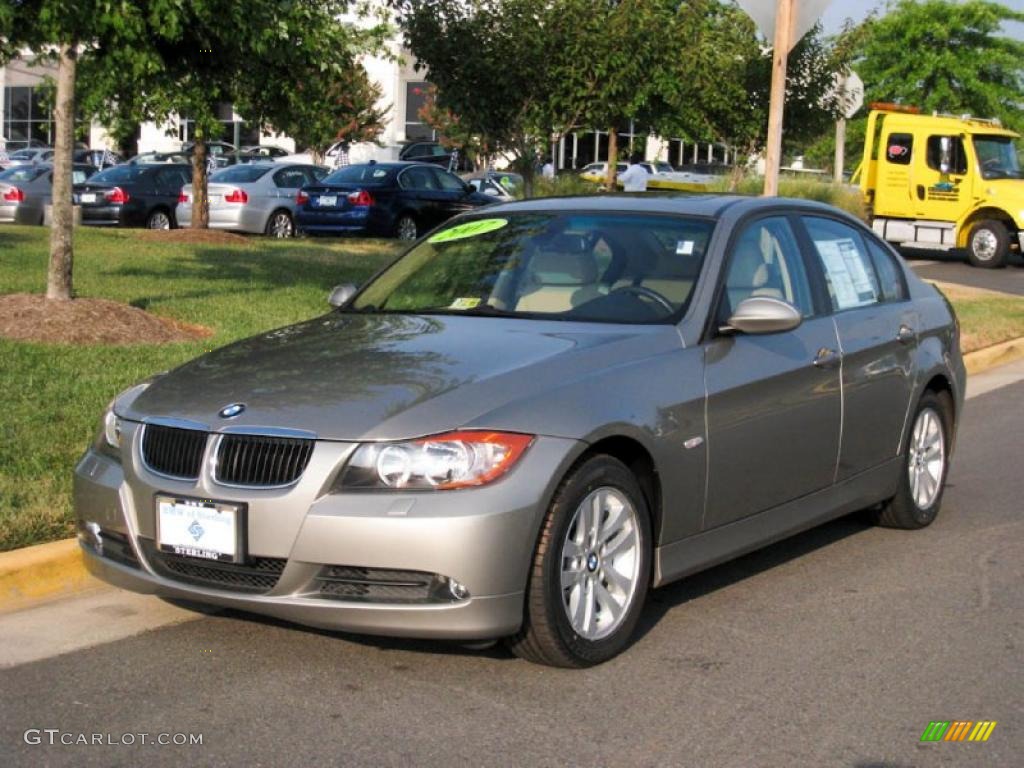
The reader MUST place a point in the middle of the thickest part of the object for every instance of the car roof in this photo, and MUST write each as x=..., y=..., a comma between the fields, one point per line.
x=711, y=206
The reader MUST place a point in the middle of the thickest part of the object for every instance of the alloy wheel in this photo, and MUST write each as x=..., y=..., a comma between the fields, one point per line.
x=600, y=563
x=159, y=220
x=926, y=461
x=407, y=228
x=984, y=244
x=281, y=225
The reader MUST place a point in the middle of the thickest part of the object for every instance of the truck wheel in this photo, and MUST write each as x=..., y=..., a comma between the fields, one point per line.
x=988, y=245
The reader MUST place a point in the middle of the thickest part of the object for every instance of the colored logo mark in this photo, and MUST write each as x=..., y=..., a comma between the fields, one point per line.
x=958, y=730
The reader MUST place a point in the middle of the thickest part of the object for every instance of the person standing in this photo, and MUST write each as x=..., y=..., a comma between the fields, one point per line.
x=634, y=178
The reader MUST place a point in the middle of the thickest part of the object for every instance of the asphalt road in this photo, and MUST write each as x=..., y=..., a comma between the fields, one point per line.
x=953, y=268
x=835, y=648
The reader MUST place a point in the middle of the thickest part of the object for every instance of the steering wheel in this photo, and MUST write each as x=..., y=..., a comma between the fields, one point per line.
x=646, y=293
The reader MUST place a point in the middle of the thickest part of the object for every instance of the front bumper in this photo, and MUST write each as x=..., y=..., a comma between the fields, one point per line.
x=482, y=538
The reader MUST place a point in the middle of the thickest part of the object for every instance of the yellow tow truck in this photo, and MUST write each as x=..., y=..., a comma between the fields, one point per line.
x=943, y=182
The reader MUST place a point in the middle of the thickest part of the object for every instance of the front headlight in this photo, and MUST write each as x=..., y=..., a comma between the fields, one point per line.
x=112, y=428
x=442, y=462
x=108, y=439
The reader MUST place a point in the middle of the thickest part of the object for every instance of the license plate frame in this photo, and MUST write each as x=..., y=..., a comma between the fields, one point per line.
x=225, y=537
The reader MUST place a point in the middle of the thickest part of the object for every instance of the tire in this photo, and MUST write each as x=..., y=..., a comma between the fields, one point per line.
x=406, y=228
x=598, y=632
x=159, y=219
x=913, y=507
x=280, y=225
x=988, y=244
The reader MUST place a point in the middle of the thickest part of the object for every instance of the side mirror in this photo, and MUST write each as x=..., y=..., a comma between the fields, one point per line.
x=341, y=294
x=763, y=314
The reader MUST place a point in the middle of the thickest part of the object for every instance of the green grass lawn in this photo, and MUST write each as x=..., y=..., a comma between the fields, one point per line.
x=51, y=396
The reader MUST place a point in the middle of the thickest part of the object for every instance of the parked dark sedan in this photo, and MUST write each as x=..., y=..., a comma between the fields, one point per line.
x=401, y=200
x=537, y=413
x=143, y=195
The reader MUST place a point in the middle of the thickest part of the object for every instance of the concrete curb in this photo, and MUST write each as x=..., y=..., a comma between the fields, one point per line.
x=34, y=574
x=45, y=571
x=998, y=354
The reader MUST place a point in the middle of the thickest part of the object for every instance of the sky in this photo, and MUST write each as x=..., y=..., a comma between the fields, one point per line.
x=839, y=10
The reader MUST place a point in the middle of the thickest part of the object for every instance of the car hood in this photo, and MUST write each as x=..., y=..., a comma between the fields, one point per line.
x=346, y=376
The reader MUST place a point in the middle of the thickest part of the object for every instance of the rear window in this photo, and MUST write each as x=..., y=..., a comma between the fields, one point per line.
x=241, y=174
x=361, y=174
x=21, y=173
x=119, y=174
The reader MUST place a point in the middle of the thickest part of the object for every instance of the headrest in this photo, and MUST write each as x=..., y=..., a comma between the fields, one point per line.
x=550, y=267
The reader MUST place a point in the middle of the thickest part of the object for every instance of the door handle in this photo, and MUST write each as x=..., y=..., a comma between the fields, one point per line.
x=905, y=335
x=827, y=358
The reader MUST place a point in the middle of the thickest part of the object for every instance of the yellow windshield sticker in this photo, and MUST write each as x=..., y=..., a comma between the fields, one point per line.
x=465, y=303
x=469, y=229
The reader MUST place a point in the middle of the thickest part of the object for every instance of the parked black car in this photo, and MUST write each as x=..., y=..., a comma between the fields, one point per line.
x=142, y=195
x=436, y=154
x=401, y=200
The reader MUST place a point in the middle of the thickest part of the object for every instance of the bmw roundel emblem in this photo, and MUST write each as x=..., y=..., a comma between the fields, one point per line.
x=230, y=411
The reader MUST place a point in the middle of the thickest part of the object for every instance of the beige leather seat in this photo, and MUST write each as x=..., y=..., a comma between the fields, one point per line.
x=752, y=273
x=560, y=276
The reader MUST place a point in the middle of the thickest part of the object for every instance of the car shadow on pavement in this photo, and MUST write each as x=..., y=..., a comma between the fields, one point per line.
x=661, y=601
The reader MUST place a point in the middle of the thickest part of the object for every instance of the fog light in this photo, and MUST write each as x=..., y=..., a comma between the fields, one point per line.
x=459, y=591
x=90, y=535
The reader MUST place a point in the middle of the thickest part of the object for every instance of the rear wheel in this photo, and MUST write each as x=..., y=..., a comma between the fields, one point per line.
x=988, y=245
x=158, y=219
x=591, y=569
x=280, y=225
x=406, y=228
x=925, y=464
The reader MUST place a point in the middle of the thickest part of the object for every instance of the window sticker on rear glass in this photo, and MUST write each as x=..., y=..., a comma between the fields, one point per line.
x=844, y=266
x=684, y=247
x=464, y=303
x=469, y=229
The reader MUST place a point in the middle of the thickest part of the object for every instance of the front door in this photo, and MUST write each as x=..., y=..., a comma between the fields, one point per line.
x=773, y=407
x=942, y=178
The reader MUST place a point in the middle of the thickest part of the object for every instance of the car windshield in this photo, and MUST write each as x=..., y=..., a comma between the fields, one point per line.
x=21, y=173
x=599, y=267
x=240, y=174
x=998, y=157
x=361, y=174
x=119, y=174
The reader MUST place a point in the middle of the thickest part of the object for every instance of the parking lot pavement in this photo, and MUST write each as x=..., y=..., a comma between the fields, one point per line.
x=834, y=648
x=953, y=268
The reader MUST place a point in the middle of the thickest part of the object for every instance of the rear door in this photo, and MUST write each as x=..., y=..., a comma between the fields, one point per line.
x=894, y=195
x=773, y=400
x=877, y=329
x=455, y=194
x=421, y=192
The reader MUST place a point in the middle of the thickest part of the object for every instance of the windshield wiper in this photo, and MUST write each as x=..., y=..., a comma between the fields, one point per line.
x=480, y=309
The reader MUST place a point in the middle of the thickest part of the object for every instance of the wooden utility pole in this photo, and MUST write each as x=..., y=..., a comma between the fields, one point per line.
x=780, y=52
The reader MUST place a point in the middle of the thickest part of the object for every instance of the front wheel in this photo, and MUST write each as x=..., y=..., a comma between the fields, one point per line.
x=591, y=569
x=925, y=464
x=988, y=245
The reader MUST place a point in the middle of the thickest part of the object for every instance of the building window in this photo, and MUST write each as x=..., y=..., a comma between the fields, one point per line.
x=415, y=100
x=26, y=120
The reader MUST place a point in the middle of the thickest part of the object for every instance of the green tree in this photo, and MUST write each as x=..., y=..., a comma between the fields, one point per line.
x=946, y=56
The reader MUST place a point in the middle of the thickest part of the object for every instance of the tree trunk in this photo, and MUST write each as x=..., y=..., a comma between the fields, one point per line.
x=200, y=198
x=58, y=279
x=613, y=159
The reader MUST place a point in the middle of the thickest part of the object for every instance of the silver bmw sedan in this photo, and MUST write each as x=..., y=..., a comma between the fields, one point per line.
x=253, y=197
x=538, y=413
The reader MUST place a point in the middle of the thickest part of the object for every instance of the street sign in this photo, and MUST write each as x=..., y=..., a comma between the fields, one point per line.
x=805, y=14
x=852, y=94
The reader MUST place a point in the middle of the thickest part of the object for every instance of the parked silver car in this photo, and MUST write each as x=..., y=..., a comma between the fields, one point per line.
x=253, y=197
x=26, y=190
x=30, y=156
x=537, y=413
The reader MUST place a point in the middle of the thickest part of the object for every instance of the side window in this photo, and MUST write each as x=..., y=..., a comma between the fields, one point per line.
x=950, y=147
x=849, y=272
x=418, y=178
x=898, y=148
x=766, y=261
x=290, y=178
x=317, y=172
x=446, y=181
x=890, y=276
